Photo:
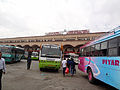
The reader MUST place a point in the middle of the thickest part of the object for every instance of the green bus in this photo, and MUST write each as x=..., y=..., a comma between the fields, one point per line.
x=34, y=56
x=50, y=57
x=11, y=53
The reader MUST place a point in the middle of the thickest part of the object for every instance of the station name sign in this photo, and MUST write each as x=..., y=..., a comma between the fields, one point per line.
x=68, y=32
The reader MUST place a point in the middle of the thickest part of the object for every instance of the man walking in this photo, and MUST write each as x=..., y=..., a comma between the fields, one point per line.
x=72, y=66
x=2, y=69
x=29, y=60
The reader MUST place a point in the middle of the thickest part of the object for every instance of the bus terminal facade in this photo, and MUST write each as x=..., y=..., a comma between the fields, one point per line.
x=71, y=40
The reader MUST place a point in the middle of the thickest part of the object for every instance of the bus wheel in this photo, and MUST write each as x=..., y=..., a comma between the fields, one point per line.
x=12, y=61
x=91, y=79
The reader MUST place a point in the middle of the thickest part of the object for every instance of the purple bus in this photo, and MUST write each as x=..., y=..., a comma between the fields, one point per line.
x=100, y=59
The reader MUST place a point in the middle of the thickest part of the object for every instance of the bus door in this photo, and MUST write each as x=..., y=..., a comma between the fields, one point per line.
x=82, y=65
x=17, y=55
x=13, y=55
x=83, y=61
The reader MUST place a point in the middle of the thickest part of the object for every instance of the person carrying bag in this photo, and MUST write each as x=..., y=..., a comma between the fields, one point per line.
x=64, y=65
x=67, y=70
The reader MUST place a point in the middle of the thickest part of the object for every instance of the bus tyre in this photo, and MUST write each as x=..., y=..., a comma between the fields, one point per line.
x=12, y=61
x=91, y=79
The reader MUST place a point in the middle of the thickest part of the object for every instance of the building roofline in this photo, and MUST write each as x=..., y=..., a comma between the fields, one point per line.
x=53, y=35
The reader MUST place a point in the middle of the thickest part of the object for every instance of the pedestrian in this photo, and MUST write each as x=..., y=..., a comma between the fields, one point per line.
x=2, y=68
x=64, y=65
x=72, y=67
x=68, y=63
x=29, y=60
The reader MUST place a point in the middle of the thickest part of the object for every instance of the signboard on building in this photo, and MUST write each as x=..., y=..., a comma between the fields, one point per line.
x=68, y=32
x=78, y=32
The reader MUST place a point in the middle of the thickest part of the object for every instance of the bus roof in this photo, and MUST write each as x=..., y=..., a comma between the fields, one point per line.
x=51, y=44
x=12, y=47
x=19, y=48
x=56, y=45
x=6, y=46
x=109, y=35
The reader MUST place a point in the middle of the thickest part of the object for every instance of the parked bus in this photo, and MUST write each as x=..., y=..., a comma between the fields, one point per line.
x=50, y=57
x=101, y=59
x=11, y=53
x=34, y=56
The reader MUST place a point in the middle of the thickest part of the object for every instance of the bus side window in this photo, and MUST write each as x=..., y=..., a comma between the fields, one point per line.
x=104, y=48
x=112, y=52
x=101, y=53
x=112, y=47
x=80, y=53
x=92, y=50
x=96, y=53
x=84, y=52
x=87, y=51
x=97, y=49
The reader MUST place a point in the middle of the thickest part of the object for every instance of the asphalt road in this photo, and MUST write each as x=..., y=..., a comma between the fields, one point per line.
x=18, y=77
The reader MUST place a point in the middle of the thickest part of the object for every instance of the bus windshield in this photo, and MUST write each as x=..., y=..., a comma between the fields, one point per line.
x=5, y=50
x=50, y=51
x=34, y=53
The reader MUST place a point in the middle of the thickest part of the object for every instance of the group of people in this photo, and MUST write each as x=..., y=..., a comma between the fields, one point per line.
x=70, y=64
x=66, y=63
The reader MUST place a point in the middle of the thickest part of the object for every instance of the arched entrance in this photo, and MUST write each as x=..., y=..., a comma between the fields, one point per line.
x=77, y=48
x=26, y=47
x=68, y=49
x=19, y=46
x=35, y=47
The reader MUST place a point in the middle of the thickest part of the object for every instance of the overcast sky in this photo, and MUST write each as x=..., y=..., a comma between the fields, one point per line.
x=19, y=18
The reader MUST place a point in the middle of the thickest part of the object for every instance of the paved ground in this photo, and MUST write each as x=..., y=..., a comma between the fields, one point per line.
x=18, y=78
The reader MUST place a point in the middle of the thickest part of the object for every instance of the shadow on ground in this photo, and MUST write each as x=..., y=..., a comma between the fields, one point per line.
x=101, y=84
x=49, y=70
